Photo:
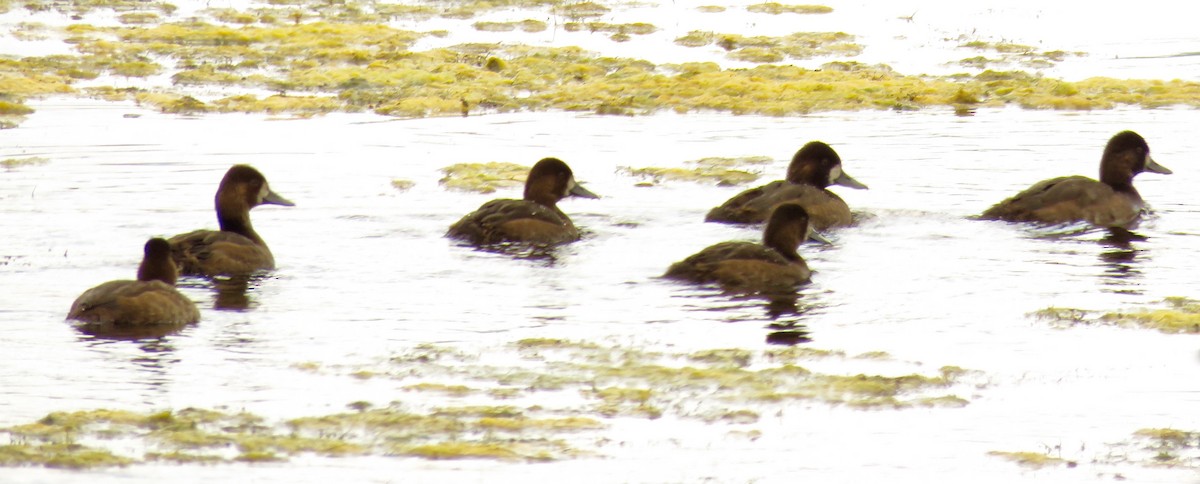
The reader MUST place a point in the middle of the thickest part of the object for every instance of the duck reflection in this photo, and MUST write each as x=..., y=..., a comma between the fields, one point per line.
x=783, y=312
x=127, y=332
x=229, y=293
x=1120, y=258
x=786, y=314
x=150, y=357
x=1119, y=255
x=544, y=255
x=232, y=293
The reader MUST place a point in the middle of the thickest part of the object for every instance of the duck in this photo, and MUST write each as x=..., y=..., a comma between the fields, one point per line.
x=814, y=167
x=236, y=249
x=151, y=300
x=773, y=265
x=1111, y=202
x=534, y=219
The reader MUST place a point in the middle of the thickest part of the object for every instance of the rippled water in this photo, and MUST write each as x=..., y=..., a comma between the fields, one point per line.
x=364, y=273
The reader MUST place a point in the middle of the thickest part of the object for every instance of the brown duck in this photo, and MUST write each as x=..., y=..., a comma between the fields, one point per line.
x=236, y=249
x=150, y=300
x=1110, y=202
x=534, y=219
x=773, y=265
x=813, y=168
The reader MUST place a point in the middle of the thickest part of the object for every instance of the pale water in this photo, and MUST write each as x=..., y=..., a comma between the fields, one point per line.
x=365, y=274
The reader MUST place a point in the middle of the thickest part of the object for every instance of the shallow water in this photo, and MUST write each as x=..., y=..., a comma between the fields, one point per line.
x=364, y=274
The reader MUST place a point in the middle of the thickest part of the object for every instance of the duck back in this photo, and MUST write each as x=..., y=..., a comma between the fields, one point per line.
x=214, y=252
x=1069, y=199
x=134, y=303
x=509, y=220
x=742, y=266
x=824, y=207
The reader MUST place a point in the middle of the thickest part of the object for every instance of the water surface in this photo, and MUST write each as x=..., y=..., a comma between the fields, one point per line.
x=364, y=274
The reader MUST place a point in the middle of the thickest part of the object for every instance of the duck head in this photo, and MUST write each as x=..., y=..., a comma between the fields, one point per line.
x=551, y=180
x=1126, y=155
x=818, y=165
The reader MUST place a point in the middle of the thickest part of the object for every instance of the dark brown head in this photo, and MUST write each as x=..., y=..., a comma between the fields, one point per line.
x=242, y=189
x=1126, y=155
x=156, y=263
x=818, y=165
x=551, y=180
x=786, y=229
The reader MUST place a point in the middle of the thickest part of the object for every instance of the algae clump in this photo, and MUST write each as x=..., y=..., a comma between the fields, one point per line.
x=1031, y=459
x=774, y=8
x=483, y=177
x=1180, y=316
x=721, y=171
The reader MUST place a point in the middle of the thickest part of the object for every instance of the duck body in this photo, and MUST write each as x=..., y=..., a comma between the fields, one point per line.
x=1111, y=201
x=1070, y=199
x=825, y=208
x=134, y=303
x=217, y=252
x=150, y=300
x=740, y=265
x=511, y=220
x=535, y=219
x=814, y=167
x=235, y=249
x=746, y=266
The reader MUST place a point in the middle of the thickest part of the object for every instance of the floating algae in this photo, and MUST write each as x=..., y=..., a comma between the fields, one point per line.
x=342, y=56
x=1181, y=315
x=1035, y=460
x=1148, y=448
x=774, y=8
x=505, y=419
x=483, y=177
x=763, y=49
x=717, y=170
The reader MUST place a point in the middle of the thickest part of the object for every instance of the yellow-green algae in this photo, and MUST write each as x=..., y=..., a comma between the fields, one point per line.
x=763, y=49
x=594, y=383
x=1031, y=459
x=529, y=25
x=14, y=163
x=342, y=56
x=192, y=435
x=1180, y=316
x=1148, y=447
x=484, y=177
x=1171, y=447
x=452, y=390
x=723, y=171
x=59, y=455
x=1024, y=55
x=620, y=32
x=774, y=8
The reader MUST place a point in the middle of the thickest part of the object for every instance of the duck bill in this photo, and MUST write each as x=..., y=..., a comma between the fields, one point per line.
x=847, y=181
x=578, y=191
x=1153, y=167
x=273, y=198
x=817, y=237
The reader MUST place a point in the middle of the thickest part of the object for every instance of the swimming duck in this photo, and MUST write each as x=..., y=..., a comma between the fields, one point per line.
x=534, y=219
x=1110, y=202
x=772, y=265
x=150, y=300
x=814, y=167
x=235, y=249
